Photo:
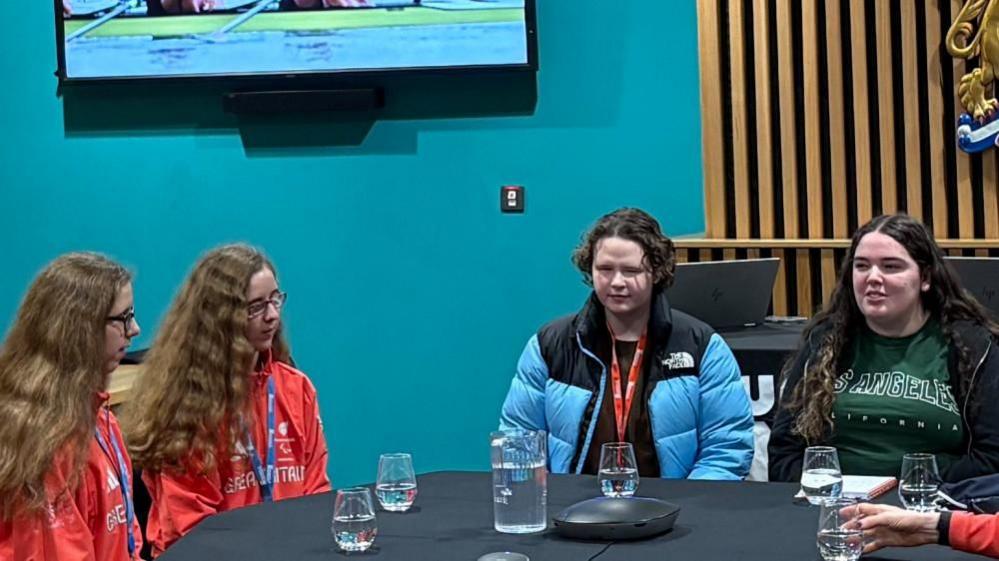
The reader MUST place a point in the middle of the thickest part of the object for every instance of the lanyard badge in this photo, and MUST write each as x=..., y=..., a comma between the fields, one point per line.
x=622, y=404
x=124, y=482
x=265, y=477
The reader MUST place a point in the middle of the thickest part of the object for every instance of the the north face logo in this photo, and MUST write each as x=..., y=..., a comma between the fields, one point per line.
x=679, y=360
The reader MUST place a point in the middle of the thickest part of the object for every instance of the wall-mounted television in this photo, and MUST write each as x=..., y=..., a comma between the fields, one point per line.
x=115, y=40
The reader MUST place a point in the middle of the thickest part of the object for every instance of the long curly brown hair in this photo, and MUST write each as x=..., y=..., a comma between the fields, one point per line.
x=636, y=225
x=835, y=326
x=51, y=366
x=195, y=388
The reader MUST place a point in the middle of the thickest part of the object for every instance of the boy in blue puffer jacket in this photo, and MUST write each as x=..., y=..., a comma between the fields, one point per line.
x=629, y=368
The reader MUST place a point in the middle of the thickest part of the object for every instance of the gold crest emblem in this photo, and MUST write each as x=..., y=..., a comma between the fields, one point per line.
x=965, y=41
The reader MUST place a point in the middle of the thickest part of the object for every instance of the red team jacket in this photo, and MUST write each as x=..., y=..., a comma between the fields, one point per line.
x=182, y=500
x=977, y=533
x=85, y=524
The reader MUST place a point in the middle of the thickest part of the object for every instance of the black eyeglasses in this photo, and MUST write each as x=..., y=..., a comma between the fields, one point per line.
x=126, y=318
x=257, y=308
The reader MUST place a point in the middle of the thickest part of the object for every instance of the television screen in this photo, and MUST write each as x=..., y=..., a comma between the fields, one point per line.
x=129, y=39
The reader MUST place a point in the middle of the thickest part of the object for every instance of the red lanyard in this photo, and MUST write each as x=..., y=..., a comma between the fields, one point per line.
x=622, y=404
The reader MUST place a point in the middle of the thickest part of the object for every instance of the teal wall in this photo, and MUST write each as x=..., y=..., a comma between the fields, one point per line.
x=411, y=296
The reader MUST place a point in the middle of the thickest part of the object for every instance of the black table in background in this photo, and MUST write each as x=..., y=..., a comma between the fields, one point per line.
x=452, y=520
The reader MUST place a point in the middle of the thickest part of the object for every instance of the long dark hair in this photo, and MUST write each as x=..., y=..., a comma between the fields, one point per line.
x=835, y=325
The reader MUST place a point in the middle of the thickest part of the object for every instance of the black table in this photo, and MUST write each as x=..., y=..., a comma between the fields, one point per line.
x=452, y=519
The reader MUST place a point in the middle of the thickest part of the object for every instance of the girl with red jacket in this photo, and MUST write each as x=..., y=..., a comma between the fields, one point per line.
x=65, y=478
x=220, y=420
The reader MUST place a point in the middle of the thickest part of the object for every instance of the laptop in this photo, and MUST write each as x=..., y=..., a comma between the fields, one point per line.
x=980, y=277
x=725, y=294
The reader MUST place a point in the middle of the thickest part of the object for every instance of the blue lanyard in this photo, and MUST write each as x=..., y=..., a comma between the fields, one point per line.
x=264, y=478
x=123, y=481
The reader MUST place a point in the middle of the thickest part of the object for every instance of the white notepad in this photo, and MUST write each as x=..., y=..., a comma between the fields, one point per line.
x=867, y=487
x=863, y=487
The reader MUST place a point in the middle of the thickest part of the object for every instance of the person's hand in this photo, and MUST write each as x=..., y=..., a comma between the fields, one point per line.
x=346, y=3
x=67, y=9
x=198, y=6
x=889, y=526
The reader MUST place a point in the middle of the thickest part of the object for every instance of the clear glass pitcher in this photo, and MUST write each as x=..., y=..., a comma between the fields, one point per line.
x=520, y=480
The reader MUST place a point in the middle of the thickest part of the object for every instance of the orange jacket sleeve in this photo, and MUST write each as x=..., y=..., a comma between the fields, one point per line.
x=180, y=502
x=316, y=454
x=60, y=532
x=975, y=533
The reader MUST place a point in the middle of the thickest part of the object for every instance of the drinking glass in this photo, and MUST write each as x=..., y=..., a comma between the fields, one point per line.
x=618, y=475
x=919, y=482
x=396, y=485
x=840, y=537
x=821, y=477
x=354, y=525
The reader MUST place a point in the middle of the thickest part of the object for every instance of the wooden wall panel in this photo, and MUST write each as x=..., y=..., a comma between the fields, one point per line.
x=835, y=110
x=712, y=133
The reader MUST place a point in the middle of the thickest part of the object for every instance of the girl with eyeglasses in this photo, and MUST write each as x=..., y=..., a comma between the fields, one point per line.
x=65, y=475
x=220, y=420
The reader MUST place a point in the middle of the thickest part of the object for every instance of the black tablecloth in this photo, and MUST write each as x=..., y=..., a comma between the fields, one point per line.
x=761, y=351
x=453, y=520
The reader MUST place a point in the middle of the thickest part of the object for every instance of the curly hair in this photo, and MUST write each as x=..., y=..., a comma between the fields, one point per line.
x=836, y=325
x=51, y=366
x=635, y=225
x=195, y=388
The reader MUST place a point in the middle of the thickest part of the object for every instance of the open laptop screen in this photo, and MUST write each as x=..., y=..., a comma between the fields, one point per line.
x=980, y=277
x=725, y=293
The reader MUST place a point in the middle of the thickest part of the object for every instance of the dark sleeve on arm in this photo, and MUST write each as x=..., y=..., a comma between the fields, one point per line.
x=982, y=457
x=943, y=528
x=786, y=448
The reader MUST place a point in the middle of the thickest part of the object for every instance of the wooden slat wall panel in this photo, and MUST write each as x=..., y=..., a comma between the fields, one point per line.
x=828, y=273
x=964, y=196
x=780, y=288
x=803, y=275
x=835, y=110
x=910, y=79
x=813, y=144
x=989, y=190
x=764, y=105
x=837, y=119
x=788, y=148
x=739, y=118
x=861, y=112
x=886, y=104
x=935, y=92
x=711, y=112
